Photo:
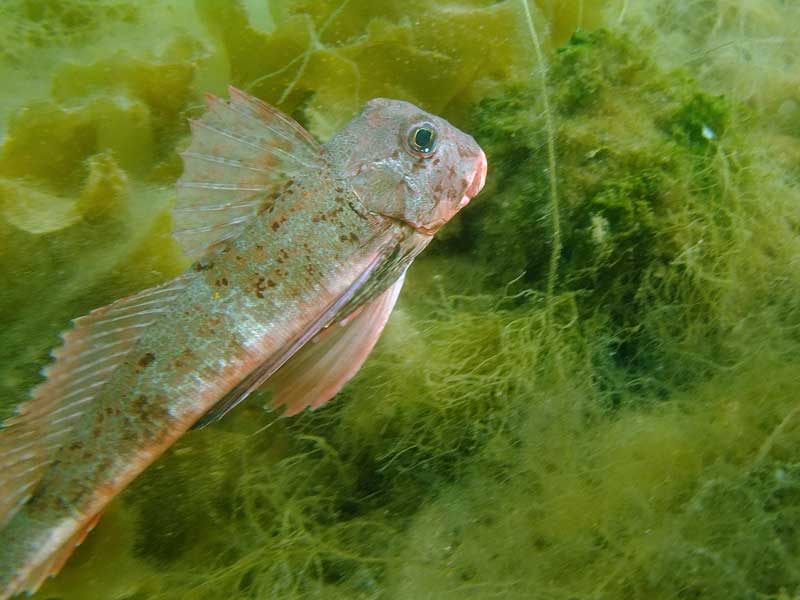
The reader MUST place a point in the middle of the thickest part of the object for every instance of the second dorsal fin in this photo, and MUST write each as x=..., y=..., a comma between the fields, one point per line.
x=242, y=150
x=96, y=345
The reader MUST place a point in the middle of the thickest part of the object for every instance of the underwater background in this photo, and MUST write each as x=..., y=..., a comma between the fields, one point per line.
x=590, y=388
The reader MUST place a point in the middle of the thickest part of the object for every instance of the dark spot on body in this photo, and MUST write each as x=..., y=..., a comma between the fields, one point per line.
x=146, y=359
x=183, y=359
x=222, y=281
x=202, y=266
x=463, y=152
x=353, y=237
x=260, y=287
x=271, y=283
x=355, y=209
x=275, y=225
x=149, y=411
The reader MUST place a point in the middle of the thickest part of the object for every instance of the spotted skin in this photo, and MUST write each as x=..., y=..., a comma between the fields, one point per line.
x=245, y=299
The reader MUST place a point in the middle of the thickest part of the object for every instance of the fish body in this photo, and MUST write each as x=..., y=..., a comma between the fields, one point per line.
x=300, y=253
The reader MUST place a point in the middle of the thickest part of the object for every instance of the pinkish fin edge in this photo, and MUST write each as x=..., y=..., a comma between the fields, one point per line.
x=95, y=346
x=324, y=365
x=242, y=151
x=56, y=561
x=264, y=371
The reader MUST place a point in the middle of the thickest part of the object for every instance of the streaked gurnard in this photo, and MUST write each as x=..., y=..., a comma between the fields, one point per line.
x=299, y=252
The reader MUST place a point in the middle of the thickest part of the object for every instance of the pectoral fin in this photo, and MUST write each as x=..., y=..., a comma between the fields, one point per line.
x=321, y=368
x=362, y=284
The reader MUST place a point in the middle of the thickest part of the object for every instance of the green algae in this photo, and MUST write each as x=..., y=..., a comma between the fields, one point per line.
x=654, y=190
x=632, y=432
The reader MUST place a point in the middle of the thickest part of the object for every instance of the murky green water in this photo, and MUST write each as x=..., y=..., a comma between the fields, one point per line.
x=590, y=386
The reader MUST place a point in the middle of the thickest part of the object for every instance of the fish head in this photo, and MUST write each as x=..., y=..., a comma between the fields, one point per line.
x=407, y=164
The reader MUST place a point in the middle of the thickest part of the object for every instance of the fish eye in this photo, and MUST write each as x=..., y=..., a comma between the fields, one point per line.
x=422, y=139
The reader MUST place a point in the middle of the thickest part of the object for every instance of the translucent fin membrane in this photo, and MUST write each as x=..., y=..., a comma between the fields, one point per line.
x=242, y=151
x=96, y=345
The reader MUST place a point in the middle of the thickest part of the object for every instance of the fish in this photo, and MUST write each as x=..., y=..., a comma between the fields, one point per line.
x=298, y=250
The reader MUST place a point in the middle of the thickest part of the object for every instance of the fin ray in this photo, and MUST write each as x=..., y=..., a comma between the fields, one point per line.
x=82, y=366
x=34, y=579
x=241, y=151
x=322, y=367
x=263, y=372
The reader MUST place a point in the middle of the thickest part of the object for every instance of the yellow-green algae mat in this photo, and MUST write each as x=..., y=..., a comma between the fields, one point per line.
x=591, y=388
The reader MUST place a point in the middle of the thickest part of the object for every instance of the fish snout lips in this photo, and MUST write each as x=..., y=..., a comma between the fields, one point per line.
x=478, y=179
x=480, y=176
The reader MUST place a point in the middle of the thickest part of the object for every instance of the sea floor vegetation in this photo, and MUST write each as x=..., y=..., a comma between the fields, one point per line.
x=591, y=385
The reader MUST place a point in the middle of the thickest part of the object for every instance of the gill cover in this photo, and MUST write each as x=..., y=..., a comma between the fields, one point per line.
x=407, y=164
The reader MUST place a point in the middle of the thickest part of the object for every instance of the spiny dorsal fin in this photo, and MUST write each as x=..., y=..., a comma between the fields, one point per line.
x=242, y=150
x=95, y=346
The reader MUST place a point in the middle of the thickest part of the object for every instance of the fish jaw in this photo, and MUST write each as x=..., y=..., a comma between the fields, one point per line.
x=473, y=189
x=478, y=181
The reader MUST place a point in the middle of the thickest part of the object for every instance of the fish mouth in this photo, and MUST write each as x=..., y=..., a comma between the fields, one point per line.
x=477, y=180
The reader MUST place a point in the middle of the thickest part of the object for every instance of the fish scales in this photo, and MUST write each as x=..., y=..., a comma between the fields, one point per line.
x=292, y=242
x=250, y=296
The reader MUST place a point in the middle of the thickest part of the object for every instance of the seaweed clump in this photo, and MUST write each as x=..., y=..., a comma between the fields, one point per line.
x=644, y=160
x=41, y=23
